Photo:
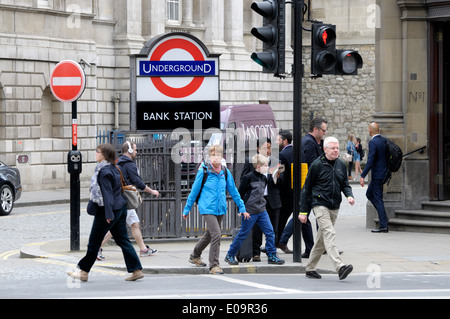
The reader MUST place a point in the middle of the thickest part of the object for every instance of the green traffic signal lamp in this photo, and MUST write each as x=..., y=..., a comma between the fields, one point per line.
x=265, y=59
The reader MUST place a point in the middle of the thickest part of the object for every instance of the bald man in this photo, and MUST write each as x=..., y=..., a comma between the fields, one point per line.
x=376, y=162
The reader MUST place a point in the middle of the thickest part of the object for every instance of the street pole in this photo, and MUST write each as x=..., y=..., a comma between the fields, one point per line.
x=74, y=189
x=298, y=76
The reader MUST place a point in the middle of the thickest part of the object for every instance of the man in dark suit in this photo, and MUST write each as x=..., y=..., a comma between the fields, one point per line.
x=286, y=157
x=376, y=162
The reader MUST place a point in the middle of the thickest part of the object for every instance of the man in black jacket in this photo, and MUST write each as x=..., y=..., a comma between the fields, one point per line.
x=324, y=183
x=311, y=149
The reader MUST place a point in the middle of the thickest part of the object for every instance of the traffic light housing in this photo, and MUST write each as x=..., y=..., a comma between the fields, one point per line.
x=348, y=62
x=272, y=34
x=325, y=59
x=323, y=49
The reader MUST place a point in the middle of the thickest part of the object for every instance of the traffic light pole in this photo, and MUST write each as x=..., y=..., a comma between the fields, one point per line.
x=298, y=78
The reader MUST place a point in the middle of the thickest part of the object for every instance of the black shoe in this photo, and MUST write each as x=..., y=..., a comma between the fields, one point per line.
x=305, y=255
x=381, y=230
x=344, y=271
x=313, y=275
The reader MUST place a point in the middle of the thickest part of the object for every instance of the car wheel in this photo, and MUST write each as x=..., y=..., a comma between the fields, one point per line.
x=6, y=200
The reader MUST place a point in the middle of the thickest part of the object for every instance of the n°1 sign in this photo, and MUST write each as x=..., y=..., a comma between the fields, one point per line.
x=67, y=81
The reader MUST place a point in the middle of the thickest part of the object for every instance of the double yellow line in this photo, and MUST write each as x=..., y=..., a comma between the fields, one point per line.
x=8, y=254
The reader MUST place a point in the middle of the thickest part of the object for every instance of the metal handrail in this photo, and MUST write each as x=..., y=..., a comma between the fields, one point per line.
x=421, y=150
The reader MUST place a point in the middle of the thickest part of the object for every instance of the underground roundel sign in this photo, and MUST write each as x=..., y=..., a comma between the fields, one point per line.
x=177, y=67
x=67, y=81
x=174, y=84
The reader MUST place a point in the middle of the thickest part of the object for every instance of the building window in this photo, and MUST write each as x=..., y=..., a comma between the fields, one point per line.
x=173, y=10
x=43, y=4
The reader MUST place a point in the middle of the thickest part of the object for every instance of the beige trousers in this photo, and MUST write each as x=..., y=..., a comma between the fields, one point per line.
x=325, y=240
x=212, y=238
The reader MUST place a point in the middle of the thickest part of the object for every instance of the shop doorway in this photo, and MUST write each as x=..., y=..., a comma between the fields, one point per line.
x=439, y=111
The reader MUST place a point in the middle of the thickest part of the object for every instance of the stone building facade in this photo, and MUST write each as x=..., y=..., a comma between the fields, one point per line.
x=36, y=34
x=412, y=100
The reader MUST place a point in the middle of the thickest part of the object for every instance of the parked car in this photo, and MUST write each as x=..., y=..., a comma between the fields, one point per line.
x=10, y=188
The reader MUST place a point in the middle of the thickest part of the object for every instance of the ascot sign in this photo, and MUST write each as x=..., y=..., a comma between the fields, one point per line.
x=174, y=82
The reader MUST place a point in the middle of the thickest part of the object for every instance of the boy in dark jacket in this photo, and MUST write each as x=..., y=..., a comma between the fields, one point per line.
x=252, y=192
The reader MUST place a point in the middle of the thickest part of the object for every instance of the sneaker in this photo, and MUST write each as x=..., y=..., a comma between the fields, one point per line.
x=99, y=255
x=273, y=259
x=256, y=258
x=344, y=271
x=216, y=270
x=313, y=275
x=197, y=261
x=231, y=260
x=148, y=252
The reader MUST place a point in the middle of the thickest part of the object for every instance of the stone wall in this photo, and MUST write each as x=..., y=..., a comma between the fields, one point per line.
x=35, y=35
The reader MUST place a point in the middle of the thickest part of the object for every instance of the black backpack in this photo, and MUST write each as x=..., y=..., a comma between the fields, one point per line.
x=205, y=176
x=394, y=156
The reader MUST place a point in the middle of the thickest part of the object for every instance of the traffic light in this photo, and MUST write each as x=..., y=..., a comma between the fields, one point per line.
x=348, y=62
x=272, y=33
x=325, y=59
x=323, y=49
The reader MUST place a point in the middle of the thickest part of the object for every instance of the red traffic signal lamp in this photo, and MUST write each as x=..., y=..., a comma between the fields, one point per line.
x=325, y=59
x=272, y=34
x=323, y=48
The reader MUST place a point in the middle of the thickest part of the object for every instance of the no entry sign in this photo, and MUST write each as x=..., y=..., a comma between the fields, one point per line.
x=175, y=82
x=67, y=81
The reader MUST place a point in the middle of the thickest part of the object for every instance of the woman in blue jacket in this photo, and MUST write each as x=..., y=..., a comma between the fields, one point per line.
x=110, y=209
x=212, y=205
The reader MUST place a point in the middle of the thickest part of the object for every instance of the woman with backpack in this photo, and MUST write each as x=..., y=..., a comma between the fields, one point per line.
x=210, y=193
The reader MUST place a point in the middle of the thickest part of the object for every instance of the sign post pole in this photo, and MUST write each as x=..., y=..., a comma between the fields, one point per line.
x=67, y=82
x=74, y=189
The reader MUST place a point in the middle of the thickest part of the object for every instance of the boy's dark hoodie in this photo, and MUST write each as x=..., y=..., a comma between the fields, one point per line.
x=251, y=189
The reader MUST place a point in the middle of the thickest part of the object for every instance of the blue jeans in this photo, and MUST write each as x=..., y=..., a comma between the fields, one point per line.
x=375, y=195
x=118, y=230
x=263, y=221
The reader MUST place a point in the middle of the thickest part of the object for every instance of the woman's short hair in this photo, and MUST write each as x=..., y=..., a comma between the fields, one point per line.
x=215, y=150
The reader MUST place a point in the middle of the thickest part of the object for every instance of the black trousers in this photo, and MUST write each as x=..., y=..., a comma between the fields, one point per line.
x=118, y=230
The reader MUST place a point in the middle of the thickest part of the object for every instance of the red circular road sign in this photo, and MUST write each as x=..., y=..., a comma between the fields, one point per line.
x=195, y=53
x=67, y=81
